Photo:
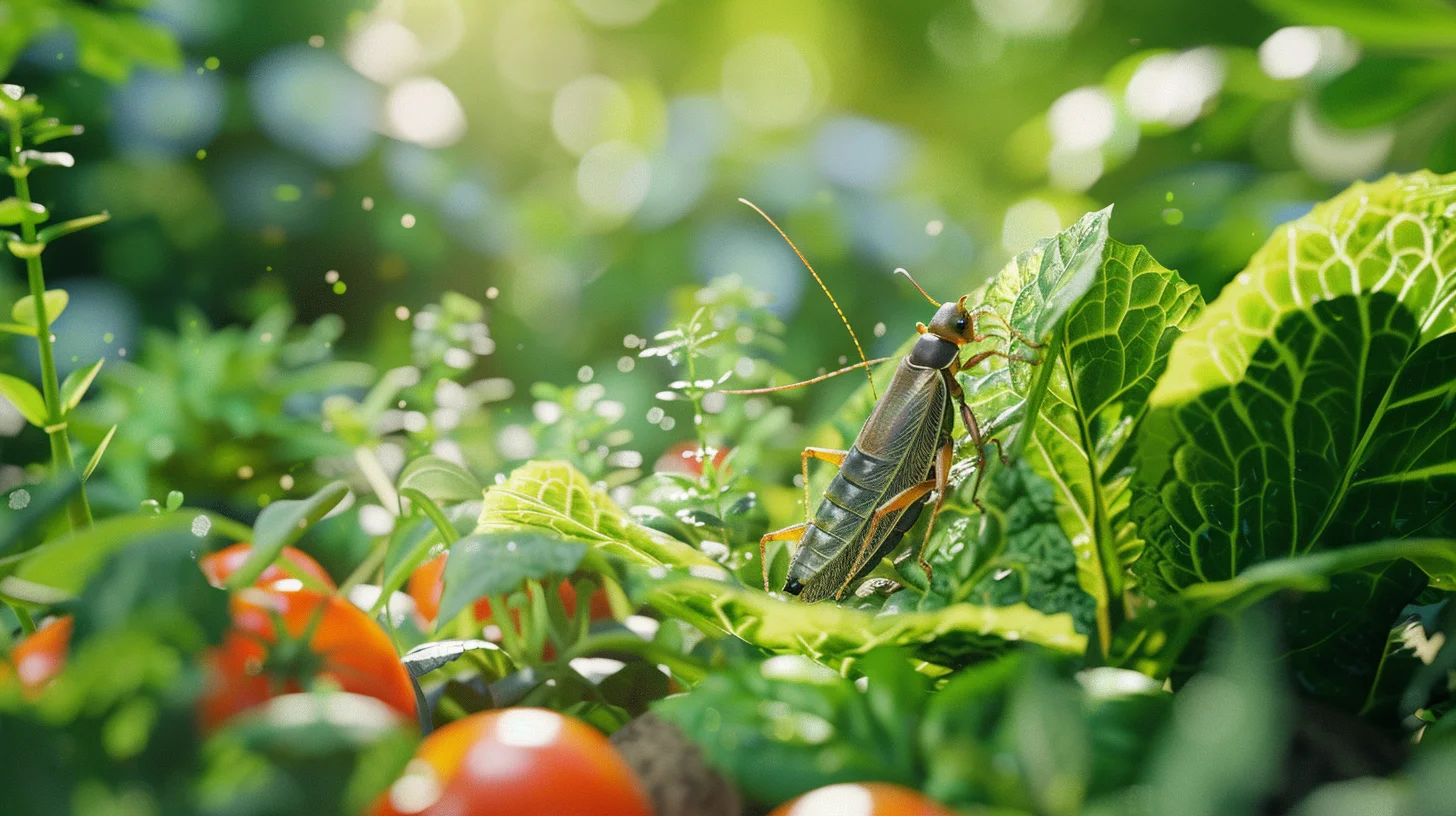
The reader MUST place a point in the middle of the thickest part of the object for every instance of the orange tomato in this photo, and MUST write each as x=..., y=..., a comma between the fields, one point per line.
x=40, y=657
x=427, y=585
x=323, y=638
x=867, y=799
x=520, y=761
x=220, y=566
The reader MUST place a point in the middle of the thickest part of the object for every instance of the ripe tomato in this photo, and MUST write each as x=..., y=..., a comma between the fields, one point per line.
x=867, y=799
x=682, y=457
x=521, y=761
x=220, y=566
x=324, y=638
x=41, y=656
x=427, y=585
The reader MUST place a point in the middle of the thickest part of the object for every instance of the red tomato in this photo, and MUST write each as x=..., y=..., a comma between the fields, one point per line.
x=427, y=585
x=41, y=656
x=521, y=761
x=220, y=566
x=325, y=638
x=867, y=799
x=682, y=458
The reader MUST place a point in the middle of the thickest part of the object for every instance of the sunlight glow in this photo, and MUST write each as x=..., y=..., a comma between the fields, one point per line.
x=425, y=111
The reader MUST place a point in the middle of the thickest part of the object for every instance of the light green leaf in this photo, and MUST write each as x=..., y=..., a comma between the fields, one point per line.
x=15, y=211
x=501, y=563
x=1313, y=405
x=98, y=453
x=952, y=636
x=557, y=498
x=75, y=385
x=25, y=397
x=440, y=479
x=282, y=523
x=110, y=44
x=65, y=228
x=16, y=328
x=56, y=300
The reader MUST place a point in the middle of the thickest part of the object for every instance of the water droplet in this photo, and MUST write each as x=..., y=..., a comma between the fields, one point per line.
x=20, y=499
x=201, y=526
x=407, y=220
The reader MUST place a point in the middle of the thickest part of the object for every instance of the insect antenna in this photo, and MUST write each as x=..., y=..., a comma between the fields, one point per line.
x=821, y=378
x=830, y=295
x=903, y=271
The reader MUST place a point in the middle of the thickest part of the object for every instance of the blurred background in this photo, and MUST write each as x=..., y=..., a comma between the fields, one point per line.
x=331, y=168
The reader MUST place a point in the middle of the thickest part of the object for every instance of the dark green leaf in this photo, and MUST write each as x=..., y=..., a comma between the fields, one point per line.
x=1381, y=89
x=785, y=727
x=282, y=523
x=46, y=498
x=1398, y=24
x=70, y=561
x=1313, y=405
x=501, y=563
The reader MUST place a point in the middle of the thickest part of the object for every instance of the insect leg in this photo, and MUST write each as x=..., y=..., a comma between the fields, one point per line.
x=942, y=481
x=973, y=428
x=899, y=501
x=791, y=533
x=833, y=457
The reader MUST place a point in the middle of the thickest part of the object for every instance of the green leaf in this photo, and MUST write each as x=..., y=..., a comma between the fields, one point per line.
x=16, y=328
x=50, y=129
x=952, y=636
x=1152, y=643
x=786, y=726
x=282, y=523
x=556, y=498
x=65, y=228
x=75, y=385
x=25, y=397
x=98, y=453
x=1016, y=553
x=1390, y=24
x=56, y=300
x=15, y=211
x=68, y=562
x=46, y=499
x=1383, y=88
x=440, y=479
x=501, y=563
x=1313, y=405
x=110, y=44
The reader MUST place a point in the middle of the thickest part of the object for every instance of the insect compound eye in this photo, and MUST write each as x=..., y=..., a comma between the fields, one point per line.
x=960, y=323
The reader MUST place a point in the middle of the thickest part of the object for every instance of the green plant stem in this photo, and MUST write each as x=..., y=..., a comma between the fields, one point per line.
x=61, y=458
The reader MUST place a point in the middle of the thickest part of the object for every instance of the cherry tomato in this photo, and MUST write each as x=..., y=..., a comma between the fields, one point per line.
x=41, y=656
x=867, y=799
x=220, y=566
x=427, y=585
x=324, y=638
x=682, y=457
x=521, y=761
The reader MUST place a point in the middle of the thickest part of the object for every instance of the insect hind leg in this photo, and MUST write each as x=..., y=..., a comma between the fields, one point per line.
x=790, y=533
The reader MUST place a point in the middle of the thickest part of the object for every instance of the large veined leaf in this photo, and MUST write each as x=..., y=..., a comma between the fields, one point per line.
x=556, y=498
x=1153, y=641
x=952, y=636
x=1101, y=364
x=1312, y=407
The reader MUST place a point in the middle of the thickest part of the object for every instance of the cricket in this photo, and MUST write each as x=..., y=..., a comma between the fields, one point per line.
x=901, y=457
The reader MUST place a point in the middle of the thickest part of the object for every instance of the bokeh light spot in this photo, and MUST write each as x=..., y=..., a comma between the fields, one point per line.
x=767, y=83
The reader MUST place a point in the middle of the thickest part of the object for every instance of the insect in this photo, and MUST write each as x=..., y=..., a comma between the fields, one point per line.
x=902, y=453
